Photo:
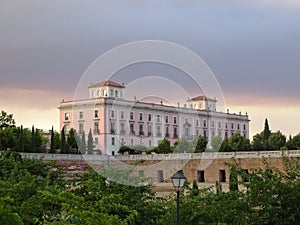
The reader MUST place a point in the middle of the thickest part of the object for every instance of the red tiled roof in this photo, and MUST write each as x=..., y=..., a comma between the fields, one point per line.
x=107, y=83
x=202, y=97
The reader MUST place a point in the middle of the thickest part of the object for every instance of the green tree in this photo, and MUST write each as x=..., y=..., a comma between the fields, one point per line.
x=21, y=140
x=33, y=147
x=72, y=141
x=296, y=141
x=277, y=140
x=182, y=145
x=201, y=144
x=225, y=147
x=164, y=146
x=258, y=142
x=90, y=143
x=83, y=144
x=63, y=144
x=216, y=143
x=6, y=120
x=237, y=142
x=266, y=135
x=52, y=146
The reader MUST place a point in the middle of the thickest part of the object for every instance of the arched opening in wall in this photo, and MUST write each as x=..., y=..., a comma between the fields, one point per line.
x=200, y=175
x=222, y=176
x=160, y=176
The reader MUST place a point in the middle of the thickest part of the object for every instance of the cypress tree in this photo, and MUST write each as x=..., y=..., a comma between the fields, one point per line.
x=90, y=143
x=21, y=138
x=82, y=148
x=52, y=147
x=266, y=135
x=33, y=149
x=63, y=141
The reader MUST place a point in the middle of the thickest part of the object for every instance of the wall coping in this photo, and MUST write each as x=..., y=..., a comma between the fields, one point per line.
x=175, y=156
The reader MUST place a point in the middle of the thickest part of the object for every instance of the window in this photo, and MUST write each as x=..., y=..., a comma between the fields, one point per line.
x=222, y=176
x=67, y=116
x=232, y=126
x=175, y=120
x=122, y=141
x=116, y=93
x=219, y=124
x=158, y=134
x=112, y=127
x=158, y=118
x=141, y=116
x=212, y=124
x=175, y=132
x=112, y=141
x=96, y=128
x=226, y=134
x=226, y=125
x=204, y=133
x=111, y=92
x=201, y=177
x=187, y=131
x=112, y=113
x=160, y=176
x=81, y=128
x=149, y=117
x=66, y=129
x=131, y=126
x=122, y=128
x=197, y=132
x=238, y=126
x=131, y=142
x=212, y=133
x=244, y=126
x=96, y=140
x=219, y=134
x=131, y=115
x=80, y=115
x=96, y=114
x=141, y=129
x=98, y=93
x=197, y=122
x=204, y=123
x=167, y=134
x=167, y=119
x=122, y=115
x=149, y=130
x=150, y=143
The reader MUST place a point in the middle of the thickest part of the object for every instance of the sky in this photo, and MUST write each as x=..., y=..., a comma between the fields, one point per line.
x=252, y=47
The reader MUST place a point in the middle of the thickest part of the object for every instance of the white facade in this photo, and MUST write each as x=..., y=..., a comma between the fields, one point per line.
x=116, y=121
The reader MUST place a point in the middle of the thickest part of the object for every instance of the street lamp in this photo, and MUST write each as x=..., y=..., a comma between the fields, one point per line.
x=178, y=180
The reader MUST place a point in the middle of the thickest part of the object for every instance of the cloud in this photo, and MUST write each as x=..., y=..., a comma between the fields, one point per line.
x=32, y=107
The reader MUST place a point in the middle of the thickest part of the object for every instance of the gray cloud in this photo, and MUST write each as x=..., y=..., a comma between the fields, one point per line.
x=249, y=46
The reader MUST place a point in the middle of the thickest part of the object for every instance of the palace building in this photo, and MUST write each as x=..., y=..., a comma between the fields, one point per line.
x=116, y=121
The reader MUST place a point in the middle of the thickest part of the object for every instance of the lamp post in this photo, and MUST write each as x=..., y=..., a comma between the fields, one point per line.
x=178, y=180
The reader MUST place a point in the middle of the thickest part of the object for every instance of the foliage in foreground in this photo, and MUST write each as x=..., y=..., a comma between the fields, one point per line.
x=33, y=192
